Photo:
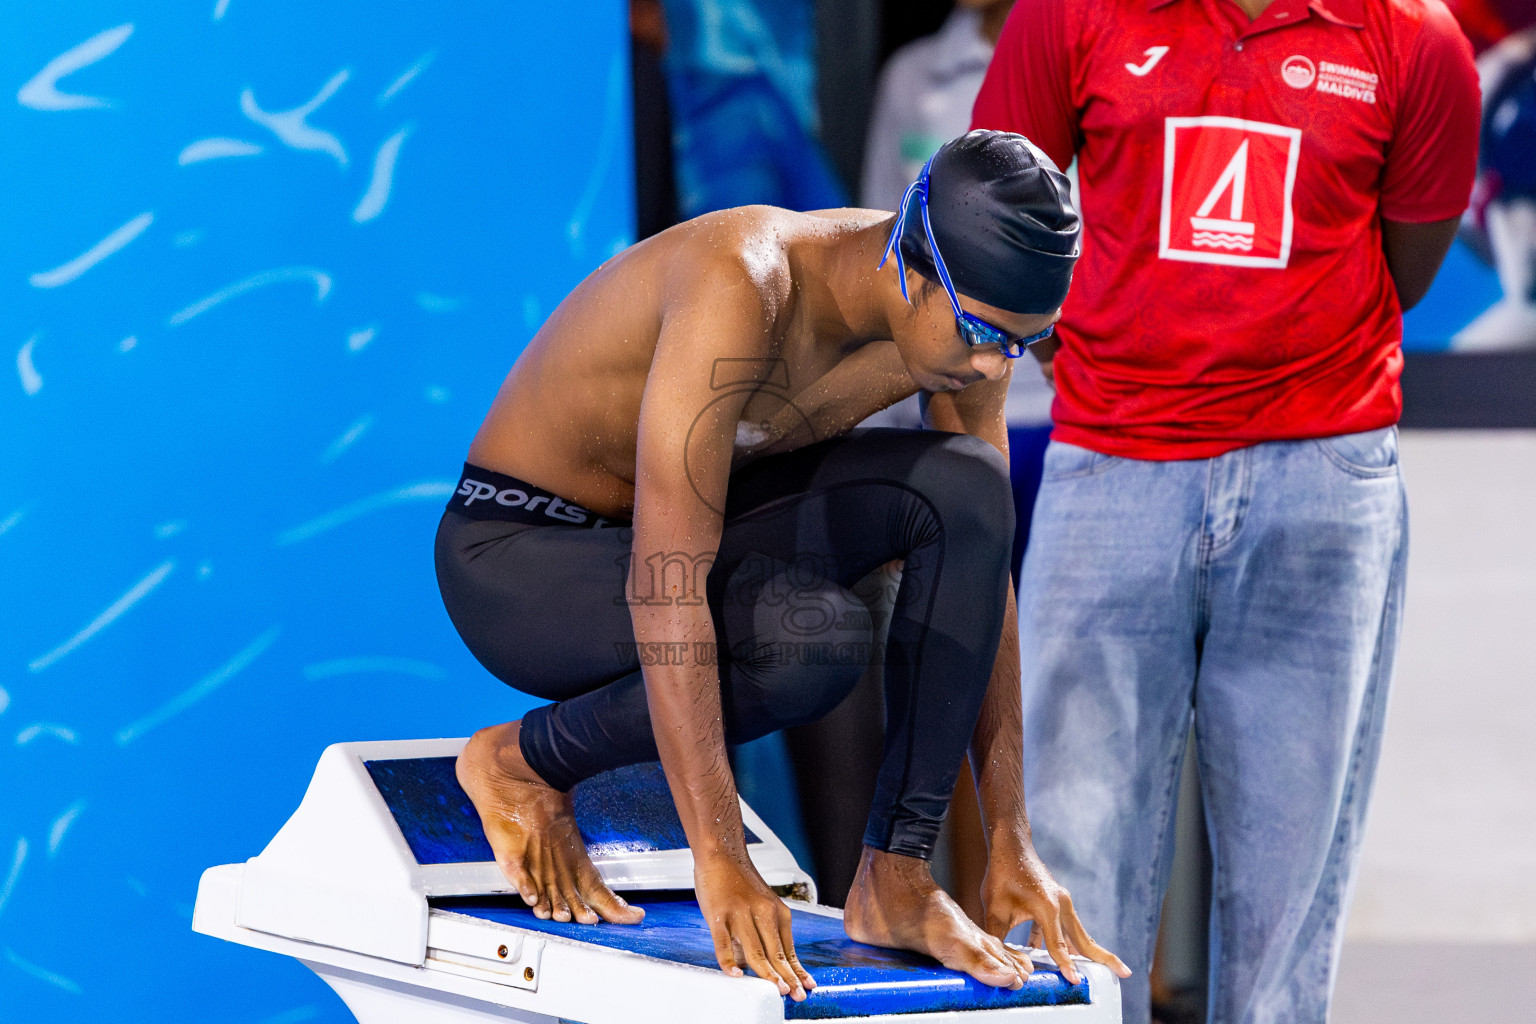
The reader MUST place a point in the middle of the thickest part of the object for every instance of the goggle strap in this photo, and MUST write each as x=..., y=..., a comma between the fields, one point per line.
x=938, y=260
x=893, y=243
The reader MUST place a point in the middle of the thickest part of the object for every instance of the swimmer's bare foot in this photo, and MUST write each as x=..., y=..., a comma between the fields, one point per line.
x=532, y=829
x=895, y=902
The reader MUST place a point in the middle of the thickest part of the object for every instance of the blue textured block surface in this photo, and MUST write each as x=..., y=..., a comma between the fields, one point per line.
x=629, y=810
x=852, y=979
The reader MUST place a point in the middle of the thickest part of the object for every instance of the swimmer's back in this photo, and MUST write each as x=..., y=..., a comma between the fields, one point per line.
x=566, y=417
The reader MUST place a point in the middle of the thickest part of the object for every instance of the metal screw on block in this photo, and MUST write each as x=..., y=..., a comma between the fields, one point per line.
x=527, y=973
x=502, y=952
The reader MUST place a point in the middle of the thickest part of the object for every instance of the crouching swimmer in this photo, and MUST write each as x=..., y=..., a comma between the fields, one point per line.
x=664, y=510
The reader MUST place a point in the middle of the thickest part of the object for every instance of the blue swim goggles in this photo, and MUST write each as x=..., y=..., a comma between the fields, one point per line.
x=973, y=329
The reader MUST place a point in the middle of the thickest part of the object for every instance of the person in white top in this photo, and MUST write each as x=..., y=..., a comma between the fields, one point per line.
x=924, y=98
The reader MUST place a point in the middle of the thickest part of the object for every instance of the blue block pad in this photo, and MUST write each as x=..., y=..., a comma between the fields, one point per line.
x=852, y=979
x=629, y=810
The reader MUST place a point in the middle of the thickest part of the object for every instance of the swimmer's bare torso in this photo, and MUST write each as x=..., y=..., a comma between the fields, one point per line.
x=567, y=417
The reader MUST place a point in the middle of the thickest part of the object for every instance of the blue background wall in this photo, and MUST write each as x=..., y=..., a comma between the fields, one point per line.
x=224, y=443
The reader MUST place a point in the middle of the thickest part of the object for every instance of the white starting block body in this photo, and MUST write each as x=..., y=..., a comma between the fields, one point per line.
x=383, y=883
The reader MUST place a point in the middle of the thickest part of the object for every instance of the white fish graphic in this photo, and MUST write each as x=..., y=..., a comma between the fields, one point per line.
x=31, y=380
x=216, y=148
x=67, y=272
x=135, y=594
x=432, y=490
x=372, y=203
x=266, y=277
x=291, y=126
x=41, y=91
x=204, y=686
x=347, y=439
x=58, y=732
x=61, y=825
x=406, y=77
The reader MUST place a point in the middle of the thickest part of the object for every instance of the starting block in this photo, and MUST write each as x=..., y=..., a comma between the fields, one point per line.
x=383, y=884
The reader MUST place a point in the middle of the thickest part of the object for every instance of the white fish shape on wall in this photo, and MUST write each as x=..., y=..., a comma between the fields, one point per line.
x=42, y=92
x=67, y=272
x=292, y=127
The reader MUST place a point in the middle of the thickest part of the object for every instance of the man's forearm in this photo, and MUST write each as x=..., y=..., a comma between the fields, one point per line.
x=669, y=568
x=683, y=697
x=997, y=744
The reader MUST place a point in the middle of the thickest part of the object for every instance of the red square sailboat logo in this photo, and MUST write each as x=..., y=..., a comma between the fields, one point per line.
x=1227, y=187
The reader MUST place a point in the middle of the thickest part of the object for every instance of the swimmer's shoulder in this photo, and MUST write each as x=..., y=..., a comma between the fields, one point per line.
x=740, y=258
x=739, y=255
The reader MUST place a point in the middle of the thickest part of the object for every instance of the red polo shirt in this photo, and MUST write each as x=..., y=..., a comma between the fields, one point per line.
x=1233, y=287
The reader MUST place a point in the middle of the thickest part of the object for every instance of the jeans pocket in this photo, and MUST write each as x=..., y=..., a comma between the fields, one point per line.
x=1063, y=461
x=1370, y=453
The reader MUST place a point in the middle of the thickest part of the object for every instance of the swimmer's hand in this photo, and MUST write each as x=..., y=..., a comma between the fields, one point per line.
x=1019, y=888
x=749, y=924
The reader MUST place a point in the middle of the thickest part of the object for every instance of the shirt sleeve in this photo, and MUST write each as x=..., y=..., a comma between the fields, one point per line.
x=1028, y=85
x=1432, y=157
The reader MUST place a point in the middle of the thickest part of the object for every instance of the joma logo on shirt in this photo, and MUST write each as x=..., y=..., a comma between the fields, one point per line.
x=1227, y=186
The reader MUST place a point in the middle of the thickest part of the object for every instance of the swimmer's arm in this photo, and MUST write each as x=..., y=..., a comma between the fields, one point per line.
x=980, y=409
x=686, y=435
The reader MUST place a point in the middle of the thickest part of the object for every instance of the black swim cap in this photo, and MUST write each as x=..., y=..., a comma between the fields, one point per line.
x=1003, y=220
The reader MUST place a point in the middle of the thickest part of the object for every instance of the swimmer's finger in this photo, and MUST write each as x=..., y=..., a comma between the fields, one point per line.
x=1084, y=942
x=780, y=953
x=725, y=949
x=786, y=936
x=757, y=957
x=1056, y=945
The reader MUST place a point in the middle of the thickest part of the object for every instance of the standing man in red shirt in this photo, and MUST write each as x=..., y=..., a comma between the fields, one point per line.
x=1266, y=185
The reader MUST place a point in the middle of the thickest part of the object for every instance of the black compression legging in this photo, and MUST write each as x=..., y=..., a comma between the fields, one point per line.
x=544, y=609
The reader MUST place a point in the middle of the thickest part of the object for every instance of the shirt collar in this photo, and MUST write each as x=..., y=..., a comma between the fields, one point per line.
x=1340, y=12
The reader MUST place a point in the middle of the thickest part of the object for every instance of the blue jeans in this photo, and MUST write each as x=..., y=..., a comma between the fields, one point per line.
x=1259, y=593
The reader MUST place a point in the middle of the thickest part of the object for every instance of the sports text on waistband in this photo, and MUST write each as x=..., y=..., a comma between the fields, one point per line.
x=483, y=494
